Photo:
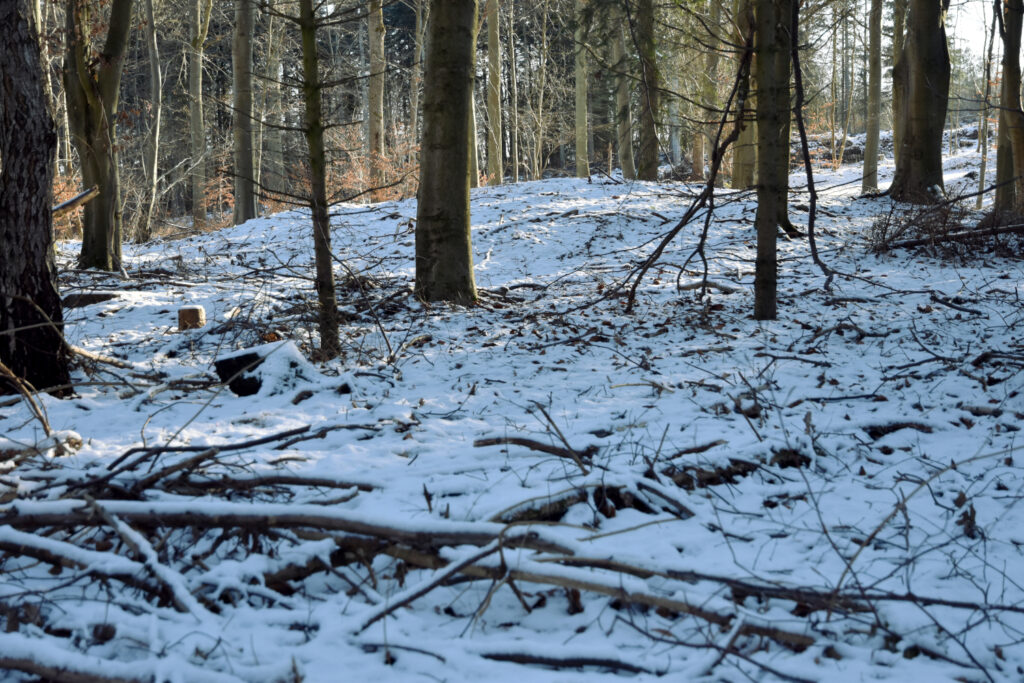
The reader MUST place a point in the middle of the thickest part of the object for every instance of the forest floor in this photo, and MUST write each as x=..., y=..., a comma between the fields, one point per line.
x=544, y=486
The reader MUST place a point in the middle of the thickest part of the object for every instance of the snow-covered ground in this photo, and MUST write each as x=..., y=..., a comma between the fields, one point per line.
x=678, y=492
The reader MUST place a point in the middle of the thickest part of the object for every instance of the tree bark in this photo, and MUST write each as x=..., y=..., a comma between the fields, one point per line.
x=925, y=58
x=745, y=150
x=416, y=78
x=444, y=252
x=704, y=136
x=330, y=343
x=495, y=162
x=869, y=183
x=378, y=68
x=244, y=148
x=623, y=115
x=773, y=44
x=1010, y=155
x=196, y=125
x=514, y=86
x=580, y=73
x=899, y=75
x=92, y=86
x=152, y=151
x=650, y=91
x=31, y=321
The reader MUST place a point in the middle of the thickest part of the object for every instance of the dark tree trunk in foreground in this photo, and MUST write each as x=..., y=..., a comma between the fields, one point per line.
x=772, y=48
x=92, y=84
x=444, y=252
x=869, y=183
x=925, y=61
x=330, y=343
x=30, y=346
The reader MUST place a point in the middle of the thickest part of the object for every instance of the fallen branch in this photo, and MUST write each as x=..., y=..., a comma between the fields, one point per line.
x=75, y=202
x=571, y=454
x=961, y=236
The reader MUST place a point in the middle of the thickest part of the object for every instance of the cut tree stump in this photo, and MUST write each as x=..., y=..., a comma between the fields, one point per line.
x=191, y=318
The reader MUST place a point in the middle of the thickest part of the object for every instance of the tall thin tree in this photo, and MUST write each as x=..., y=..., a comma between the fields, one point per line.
x=580, y=72
x=869, y=182
x=495, y=162
x=378, y=68
x=244, y=139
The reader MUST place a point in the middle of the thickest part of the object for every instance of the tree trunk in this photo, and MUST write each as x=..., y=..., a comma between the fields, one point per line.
x=416, y=78
x=30, y=346
x=495, y=162
x=745, y=150
x=925, y=57
x=152, y=152
x=92, y=87
x=772, y=47
x=196, y=125
x=444, y=252
x=378, y=67
x=474, y=146
x=514, y=83
x=899, y=75
x=869, y=183
x=649, y=91
x=244, y=152
x=330, y=343
x=580, y=73
x=623, y=116
x=1010, y=155
x=704, y=136
x=273, y=172
x=983, y=124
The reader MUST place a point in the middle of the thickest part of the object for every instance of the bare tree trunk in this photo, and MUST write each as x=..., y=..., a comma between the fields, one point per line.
x=474, y=146
x=1008, y=157
x=899, y=75
x=538, y=150
x=495, y=162
x=869, y=183
x=330, y=343
x=623, y=116
x=444, y=251
x=152, y=152
x=745, y=149
x=378, y=68
x=983, y=124
x=925, y=57
x=580, y=72
x=92, y=87
x=196, y=125
x=244, y=153
x=773, y=46
x=650, y=91
x=416, y=78
x=273, y=175
x=30, y=346
x=705, y=135
x=514, y=83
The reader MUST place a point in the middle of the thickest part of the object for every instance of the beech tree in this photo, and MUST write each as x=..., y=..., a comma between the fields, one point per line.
x=92, y=87
x=495, y=163
x=444, y=252
x=244, y=148
x=31, y=342
x=650, y=91
x=924, y=63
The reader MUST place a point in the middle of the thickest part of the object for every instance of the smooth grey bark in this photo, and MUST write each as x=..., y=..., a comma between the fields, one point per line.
x=200, y=24
x=92, y=88
x=495, y=162
x=925, y=61
x=1010, y=153
x=704, y=136
x=244, y=141
x=444, y=251
x=773, y=44
x=869, y=183
x=31, y=324
x=313, y=129
x=580, y=76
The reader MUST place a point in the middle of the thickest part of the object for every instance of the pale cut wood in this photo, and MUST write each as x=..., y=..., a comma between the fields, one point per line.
x=191, y=318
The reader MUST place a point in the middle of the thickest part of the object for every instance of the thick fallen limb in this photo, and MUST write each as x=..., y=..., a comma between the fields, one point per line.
x=426, y=533
x=540, y=446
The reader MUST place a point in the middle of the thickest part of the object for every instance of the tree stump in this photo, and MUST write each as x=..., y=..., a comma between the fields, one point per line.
x=191, y=318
